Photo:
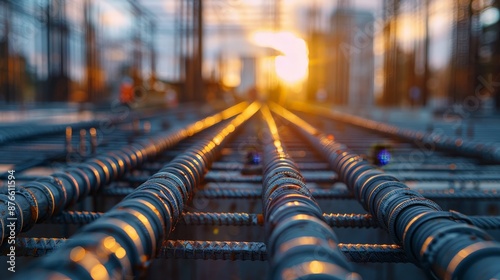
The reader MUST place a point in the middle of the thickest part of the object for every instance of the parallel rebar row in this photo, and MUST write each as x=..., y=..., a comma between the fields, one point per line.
x=32, y=131
x=25, y=132
x=247, y=193
x=121, y=243
x=444, y=244
x=37, y=201
x=328, y=178
x=251, y=219
x=232, y=250
x=427, y=142
x=223, y=250
x=213, y=250
x=300, y=243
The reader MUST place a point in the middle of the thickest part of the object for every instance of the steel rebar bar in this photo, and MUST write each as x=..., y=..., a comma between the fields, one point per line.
x=444, y=244
x=300, y=243
x=121, y=242
x=221, y=250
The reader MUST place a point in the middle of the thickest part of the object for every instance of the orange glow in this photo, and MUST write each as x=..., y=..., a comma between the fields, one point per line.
x=231, y=80
x=316, y=267
x=109, y=242
x=99, y=272
x=77, y=254
x=410, y=27
x=131, y=232
x=291, y=66
x=120, y=253
x=232, y=72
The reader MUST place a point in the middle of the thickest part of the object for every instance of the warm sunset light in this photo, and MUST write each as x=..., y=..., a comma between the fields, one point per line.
x=232, y=69
x=291, y=65
x=252, y=139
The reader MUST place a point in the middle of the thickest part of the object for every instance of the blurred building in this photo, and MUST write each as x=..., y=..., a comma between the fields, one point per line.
x=316, y=81
x=440, y=54
x=248, y=74
x=360, y=56
x=404, y=52
x=341, y=67
x=78, y=50
x=488, y=54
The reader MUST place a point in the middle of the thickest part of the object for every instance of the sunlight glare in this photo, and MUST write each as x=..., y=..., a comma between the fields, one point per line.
x=292, y=64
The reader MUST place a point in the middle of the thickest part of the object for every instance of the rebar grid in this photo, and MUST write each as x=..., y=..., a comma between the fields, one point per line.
x=125, y=239
x=297, y=235
x=334, y=220
x=440, y=242
x=224, y=250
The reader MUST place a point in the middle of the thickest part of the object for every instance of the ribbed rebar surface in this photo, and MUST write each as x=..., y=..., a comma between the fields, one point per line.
x=224, y=250
x=254, y=183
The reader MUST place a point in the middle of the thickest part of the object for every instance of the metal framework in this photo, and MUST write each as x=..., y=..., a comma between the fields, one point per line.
x=152, y=184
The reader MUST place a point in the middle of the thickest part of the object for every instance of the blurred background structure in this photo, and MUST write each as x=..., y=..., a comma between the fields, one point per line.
x=398, y=53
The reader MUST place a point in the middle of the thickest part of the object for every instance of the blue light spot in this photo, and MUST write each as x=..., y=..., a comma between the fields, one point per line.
x=253, y=158
x=383, y=157
x=256, y=158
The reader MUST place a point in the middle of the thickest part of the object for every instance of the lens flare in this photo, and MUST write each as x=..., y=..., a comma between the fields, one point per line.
x=292, y=64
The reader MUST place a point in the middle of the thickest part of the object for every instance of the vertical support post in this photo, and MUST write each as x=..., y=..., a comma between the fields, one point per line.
x=198, y=55
x=425, y=82
x=153, y=50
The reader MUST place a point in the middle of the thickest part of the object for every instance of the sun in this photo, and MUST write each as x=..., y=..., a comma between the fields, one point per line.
x=292, y=64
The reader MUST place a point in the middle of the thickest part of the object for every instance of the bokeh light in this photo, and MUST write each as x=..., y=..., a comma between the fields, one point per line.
x=383, y=157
